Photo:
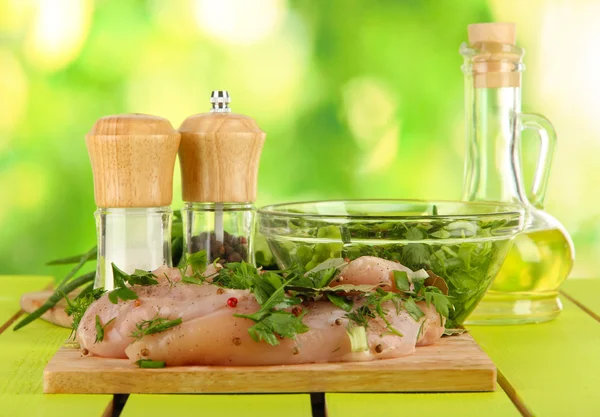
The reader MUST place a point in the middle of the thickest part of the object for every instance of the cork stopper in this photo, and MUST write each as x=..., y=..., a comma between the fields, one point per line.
x=493, y=32
x=496, y=62
x=219, y=155
x=133, y=158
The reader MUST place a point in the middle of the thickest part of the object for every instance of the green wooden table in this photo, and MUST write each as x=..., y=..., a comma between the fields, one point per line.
x=548, y=369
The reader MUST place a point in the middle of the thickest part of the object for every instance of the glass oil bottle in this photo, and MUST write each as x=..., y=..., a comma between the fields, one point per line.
x=133, y=158
x=219, y=155
x=526, y=288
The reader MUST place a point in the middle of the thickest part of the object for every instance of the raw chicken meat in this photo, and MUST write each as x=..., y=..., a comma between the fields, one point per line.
x=211, y=335
x=370, y=270
x=221, y=339
x=31, y=301
x=171, y=299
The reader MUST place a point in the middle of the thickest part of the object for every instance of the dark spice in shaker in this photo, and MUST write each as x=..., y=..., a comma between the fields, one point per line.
x=233, y=249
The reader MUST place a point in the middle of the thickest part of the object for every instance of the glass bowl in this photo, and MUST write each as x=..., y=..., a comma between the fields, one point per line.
x=463, y=242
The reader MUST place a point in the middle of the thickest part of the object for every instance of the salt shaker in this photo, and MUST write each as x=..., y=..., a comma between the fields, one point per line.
x=219, y=156
x=133, y=158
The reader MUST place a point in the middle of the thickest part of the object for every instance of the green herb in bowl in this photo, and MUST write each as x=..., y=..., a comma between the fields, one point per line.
x=464, y=243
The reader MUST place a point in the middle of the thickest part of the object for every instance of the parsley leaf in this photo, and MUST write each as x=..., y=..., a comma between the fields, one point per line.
x=416, y=254
x=441, y=302
x=101, y=328
x=323, y=277
x=119, y=276
x=197, y=261
x=261, y=331
x=340, y=302
x=266, y=286
x=413, y=309
x=123, y=293
x=281, y=323
x=193, y=279
x=414, y=233
x=121, y=279
x=237, y=275
x=141, y=277
x=271, y=322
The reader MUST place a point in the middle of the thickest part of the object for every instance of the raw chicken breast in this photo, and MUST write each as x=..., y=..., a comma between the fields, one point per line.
x=222, y=339
x=31, y=301
x=211, y=335
x=167, y=300
x=434, y=326
x=369, y=270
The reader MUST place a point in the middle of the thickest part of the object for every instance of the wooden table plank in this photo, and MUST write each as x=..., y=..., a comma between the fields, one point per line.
x=12, y=289
x=552, y=366
x=401, y=405
x=289, y=405
x=584, y=291
x=24, y=354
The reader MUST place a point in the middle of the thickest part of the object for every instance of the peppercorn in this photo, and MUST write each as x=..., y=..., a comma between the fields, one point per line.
x=232, y=302
x=232, y=249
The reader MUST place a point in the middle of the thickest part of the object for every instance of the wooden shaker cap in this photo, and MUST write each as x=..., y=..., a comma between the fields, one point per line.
x=133, y=158
x=219, y=156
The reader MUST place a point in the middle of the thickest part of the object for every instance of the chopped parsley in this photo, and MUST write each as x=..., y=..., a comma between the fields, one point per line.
x=414, y=287
x=100, y=328
x=197, y=262
x=122, y=291
x=77, y=307
x=272, y=321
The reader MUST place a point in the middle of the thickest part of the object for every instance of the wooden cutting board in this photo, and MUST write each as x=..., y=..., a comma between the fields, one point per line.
x=454, y=364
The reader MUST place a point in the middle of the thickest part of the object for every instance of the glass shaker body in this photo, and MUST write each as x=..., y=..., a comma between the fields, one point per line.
x=526, y=288
x=223, y=230
x=132, y=238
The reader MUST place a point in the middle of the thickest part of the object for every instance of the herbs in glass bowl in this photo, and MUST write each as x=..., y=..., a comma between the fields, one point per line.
x=463, y=242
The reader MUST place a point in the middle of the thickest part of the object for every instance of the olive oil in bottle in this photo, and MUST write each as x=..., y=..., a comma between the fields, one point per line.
x=526, y=288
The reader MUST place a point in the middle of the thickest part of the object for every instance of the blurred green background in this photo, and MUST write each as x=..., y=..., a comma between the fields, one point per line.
x=359, y=98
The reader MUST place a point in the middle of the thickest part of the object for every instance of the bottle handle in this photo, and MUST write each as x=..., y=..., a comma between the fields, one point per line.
x=547, y=135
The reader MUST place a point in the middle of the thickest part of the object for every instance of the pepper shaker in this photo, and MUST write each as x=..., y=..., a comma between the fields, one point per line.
x=219, y=157
x=132, y=158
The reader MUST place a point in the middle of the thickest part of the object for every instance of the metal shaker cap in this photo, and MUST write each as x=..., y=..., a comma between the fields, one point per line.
x=220, y=101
